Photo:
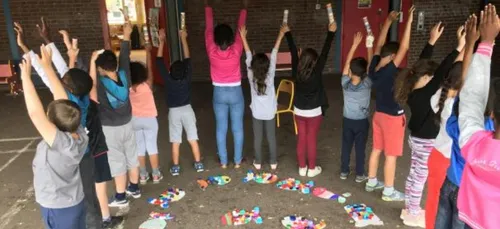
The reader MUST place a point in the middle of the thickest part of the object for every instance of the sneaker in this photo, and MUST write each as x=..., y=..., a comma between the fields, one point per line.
x=135, y=194
x=237, y=166
x=199, y=167
x=223, y=166
x=303, y=171
x=370, y=188
x=175, y=170
x=274, y=166
x=404, y=213
x=118, y=203
x=157, y=178
x=112, y=222
x=395, y=196
x=314, y=172
x=415, y=220
x=360, y=178
x=143, y=179
x=343, y=176
x=257, y=166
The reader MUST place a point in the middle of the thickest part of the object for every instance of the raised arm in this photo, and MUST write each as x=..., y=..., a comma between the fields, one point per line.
x=320, y=64
x=93, y=75
x=185, y=44
x=382, y=37
x=405, y=42
x=21, y=42
x=474, y=94
x=73, y=53
x=369, y=49
x=274, y=52
x=160, y=63
x=149, y=65
x=45, y=60
x=241, y=22
x=124, y=62
x=243, y=37
x=34, y=106
x=355, y=43
x=293, y=50
x=209, y=28
x=471, y=37
x=436, y=32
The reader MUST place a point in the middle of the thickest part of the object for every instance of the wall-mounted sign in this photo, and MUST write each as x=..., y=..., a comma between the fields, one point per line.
x=158, y=3
x=364, y=4
x=154, y=18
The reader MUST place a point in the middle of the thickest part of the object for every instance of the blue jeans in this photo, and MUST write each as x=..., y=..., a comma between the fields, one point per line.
x=447, y=215
x=229, y=103
x=64, y=218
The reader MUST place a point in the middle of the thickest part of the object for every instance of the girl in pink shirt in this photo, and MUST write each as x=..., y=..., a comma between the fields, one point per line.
x=224, y=51
x=144, y=119
x=479, y=194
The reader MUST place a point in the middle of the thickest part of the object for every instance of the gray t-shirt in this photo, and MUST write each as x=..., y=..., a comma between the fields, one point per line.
x=263, y=106
x=57, y=180
x=356, y=98
x=123, y=113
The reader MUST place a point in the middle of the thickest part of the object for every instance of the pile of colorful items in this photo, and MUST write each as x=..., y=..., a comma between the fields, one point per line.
x=170, y=195
x=261, y=178
x=362, y=215
x=161, y=215
x=240, y=217
x=292, y=184
x=298, y=222
x=214, y=180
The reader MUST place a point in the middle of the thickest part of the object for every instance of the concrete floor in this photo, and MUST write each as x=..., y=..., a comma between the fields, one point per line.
x=203, y=209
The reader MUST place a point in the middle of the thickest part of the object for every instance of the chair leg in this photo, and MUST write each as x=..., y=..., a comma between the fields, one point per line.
x=278, y=120
x=295, y=124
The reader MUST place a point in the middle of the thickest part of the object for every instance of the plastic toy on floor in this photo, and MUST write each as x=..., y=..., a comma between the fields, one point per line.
x=325, y=194
x=261, y=178
x=362, y=215
x=240, y=217
x=161, y=215
x=292, y=184
x=299, y=222
x=214, y=180
x=169, y=195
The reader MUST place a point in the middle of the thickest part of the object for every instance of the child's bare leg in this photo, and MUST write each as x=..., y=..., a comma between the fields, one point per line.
x=102, y=196
x=373, y=163
x=175, y=153
x=153, y=160
x=133, y=175
x=390, y=170
x=196, y=150
x=121, y=183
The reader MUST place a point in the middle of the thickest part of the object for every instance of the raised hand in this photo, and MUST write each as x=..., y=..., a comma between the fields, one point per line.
x=332, y=27
x=358, y=37
x=436, y=32
x=393, y=16
x=43, y=31
x=461, y=36
x=25, y=67
x=471, y=32
x=127, y=28
x=284, y=29
x=243, y=32
x=95, y=54
x=46, y=56
x=490, y=24
x=73, y=52
x=183, y=34
x=369, y=41
x=20, y=37
x=410, y=14
x=66, y=38
x=162, y=36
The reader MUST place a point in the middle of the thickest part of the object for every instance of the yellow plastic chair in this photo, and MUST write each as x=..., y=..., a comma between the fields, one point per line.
x=286, y=86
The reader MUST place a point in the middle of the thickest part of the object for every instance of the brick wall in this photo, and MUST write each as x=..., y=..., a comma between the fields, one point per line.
x=308, y=25
x=452, y=13
x=80, y=17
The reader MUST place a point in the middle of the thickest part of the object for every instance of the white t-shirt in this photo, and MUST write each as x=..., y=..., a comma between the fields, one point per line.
x=443, y=141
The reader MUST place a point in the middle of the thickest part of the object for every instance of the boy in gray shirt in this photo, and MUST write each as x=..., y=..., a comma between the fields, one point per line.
x=57, y=181
x=357, y=89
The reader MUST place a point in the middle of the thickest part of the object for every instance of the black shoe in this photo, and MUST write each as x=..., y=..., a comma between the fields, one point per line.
x=112, y=222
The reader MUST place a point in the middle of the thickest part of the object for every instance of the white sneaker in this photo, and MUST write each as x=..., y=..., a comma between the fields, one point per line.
x=303, y=171
x=314, y=172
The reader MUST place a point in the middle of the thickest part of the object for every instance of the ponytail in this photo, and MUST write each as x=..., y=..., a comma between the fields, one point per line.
x=260, y=68
x=407, y=78
x=442, y=98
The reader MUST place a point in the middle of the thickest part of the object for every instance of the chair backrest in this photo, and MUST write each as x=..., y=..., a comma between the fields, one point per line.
x=286, y=86
x=6, y=72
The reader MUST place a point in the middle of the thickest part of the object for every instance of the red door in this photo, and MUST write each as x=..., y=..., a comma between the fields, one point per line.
x=163, y=25
x=352, y=22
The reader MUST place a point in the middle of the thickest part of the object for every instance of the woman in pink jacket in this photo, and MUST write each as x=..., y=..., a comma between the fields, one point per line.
x=224, y=51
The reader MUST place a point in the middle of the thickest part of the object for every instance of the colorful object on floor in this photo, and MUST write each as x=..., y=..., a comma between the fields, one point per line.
x=203, y=184
x=299, y=222
x=240, y=217
x=213, y=180
x=153, y=224
x=363, y=215
x=292, y=184
x=261, y=178
x=169, y=195
x=161, y=215
x=346, y=195
x=325, y=194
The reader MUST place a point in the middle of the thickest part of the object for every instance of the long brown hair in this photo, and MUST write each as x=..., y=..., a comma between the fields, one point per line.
x=407, y=78
x=452, y=82
x=260, y=68
x=307, y=62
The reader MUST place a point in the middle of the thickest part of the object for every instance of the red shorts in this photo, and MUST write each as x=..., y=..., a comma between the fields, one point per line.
x=389, y=133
